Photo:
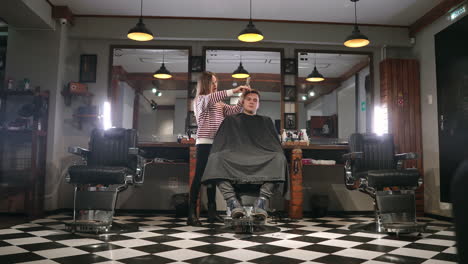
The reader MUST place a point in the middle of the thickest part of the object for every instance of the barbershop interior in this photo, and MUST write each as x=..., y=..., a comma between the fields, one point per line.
x=219, y=132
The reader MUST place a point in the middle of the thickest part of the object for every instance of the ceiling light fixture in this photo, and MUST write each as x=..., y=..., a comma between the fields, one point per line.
x=250, y=33
x=315, y=76
x=311, y=93
x=356, y=39
x=140, y=32
x=162, y=73
x=240, y=72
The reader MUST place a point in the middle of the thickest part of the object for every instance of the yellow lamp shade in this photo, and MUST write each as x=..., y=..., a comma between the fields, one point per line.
x=140, y=32
x=250, y=34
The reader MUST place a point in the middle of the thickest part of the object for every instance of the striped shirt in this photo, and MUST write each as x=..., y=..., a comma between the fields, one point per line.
x=210, y=112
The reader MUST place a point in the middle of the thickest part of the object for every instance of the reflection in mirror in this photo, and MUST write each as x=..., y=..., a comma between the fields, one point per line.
x=156, y=107
x=264, y=68
x=336, y=107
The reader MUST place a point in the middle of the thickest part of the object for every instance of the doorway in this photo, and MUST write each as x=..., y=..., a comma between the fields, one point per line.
x=452, y=100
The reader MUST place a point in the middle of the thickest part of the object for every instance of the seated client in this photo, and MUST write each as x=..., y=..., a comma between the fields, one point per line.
x=247, y=150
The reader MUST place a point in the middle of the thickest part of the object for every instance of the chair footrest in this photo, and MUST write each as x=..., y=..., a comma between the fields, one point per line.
x=404, y=227
x=88, y=226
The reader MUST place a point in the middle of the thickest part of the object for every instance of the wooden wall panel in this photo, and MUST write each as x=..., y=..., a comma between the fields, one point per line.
x=400, y=91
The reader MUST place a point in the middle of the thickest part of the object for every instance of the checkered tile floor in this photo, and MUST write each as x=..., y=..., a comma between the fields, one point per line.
x=166, y=239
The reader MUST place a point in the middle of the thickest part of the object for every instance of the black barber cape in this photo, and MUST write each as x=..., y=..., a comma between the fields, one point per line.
x=246, y=149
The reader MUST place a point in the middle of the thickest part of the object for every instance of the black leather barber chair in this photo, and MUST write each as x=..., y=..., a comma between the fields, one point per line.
x=459, y=201
x=112, y=164
x=373, y=168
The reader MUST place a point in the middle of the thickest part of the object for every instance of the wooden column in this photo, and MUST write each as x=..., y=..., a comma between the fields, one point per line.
x=192, y=167
x=295, y=174
x=400, y=91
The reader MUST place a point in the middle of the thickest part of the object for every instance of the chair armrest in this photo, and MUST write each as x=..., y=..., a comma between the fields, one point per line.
x=79, y=151
x=353, y=155
x=406, y=156
x=139, y=178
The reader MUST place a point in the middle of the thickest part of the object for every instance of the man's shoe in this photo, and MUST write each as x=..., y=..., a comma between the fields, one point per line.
x=237, y=211
x=260, y=208
x=192, y=219
x=213, y=216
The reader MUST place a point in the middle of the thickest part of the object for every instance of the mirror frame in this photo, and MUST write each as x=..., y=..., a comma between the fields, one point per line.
x=370, y=113
x=280, y=50
x=111, y=93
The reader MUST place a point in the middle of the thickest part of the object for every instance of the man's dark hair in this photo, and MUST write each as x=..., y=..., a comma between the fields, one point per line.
x=250, y=92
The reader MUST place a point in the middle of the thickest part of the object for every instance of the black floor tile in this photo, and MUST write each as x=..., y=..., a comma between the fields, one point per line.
x=150, y=259
x=334, y=259
x=109, y=238
x=211, y=239
x=341, y=231
x=322, y=248
x=291, y=226
x=212, y=248
x=98, y=247
x=298, y=232
x=63, y=237
x=426, y=247
x=356, y=239
x=269, y=249
x=16, y=235
x=377, y=248
x=167, y=231
x=446, y=257
x=276, y=260
x=212, y=260
x=161, y=239
x=452, y=238
x=22, y=257
x=42, y=246
x=309, y=239
x=260, y=239
x=157, y=248
x=399, y=259
x=81, y=259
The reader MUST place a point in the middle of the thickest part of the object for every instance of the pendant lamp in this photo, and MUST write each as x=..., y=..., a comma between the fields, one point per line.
x=162, y=73
x=250, y=33
x=356, y=39
x=240, y=72
x=140, y=32
x=315, y=75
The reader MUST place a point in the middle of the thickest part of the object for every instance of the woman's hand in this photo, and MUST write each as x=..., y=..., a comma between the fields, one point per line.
x=241, y=89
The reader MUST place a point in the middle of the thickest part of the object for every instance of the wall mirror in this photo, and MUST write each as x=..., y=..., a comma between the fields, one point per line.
x=156, y=107
x=264, y=68
x=333, y=109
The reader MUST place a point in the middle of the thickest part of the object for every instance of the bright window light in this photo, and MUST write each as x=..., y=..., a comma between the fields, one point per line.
x=106, y=116
x=380, y=120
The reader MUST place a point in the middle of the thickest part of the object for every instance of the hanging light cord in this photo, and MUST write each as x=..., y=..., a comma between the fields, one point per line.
x=163, y=57
x=355, y=14
x=141, y=9
x=250, y=10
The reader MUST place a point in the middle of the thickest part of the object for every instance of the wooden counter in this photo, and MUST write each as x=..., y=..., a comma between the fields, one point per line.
x=183, y=145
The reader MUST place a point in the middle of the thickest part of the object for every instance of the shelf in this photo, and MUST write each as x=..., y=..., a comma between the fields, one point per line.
x=24, y=131
x=324, y=165
x=10, y=93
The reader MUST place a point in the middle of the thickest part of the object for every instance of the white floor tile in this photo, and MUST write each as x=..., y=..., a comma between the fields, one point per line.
x=238, y=244
x=301, y=254
x=122, y=253
x=280, y=235
x=389, y=242
x=48, y=233
x=10, y=231
x=436, y=261
x=191, y=228
x=185, y=243
x=181, y=254
x=60, y=252
x=188, y=235
x=437, y=242
x=132, y=243
x=358, y=253
x=451, y=250
x=27, y=225
x=143, y=234
x=326, y=235
x=340, y=243
x=411, y=252
x=11, y=250
x=26, y=240
x=446, y=233
x=44, y=220
x=42, y=261
x=242, y=254
x=314, y=228
x=370, y=235
x=79, y=242
x=289, y=243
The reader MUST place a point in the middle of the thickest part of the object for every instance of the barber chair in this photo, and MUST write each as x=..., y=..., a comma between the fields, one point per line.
x=459, y=201
x=248, y=224
x=373, y=168
x=112, y=163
